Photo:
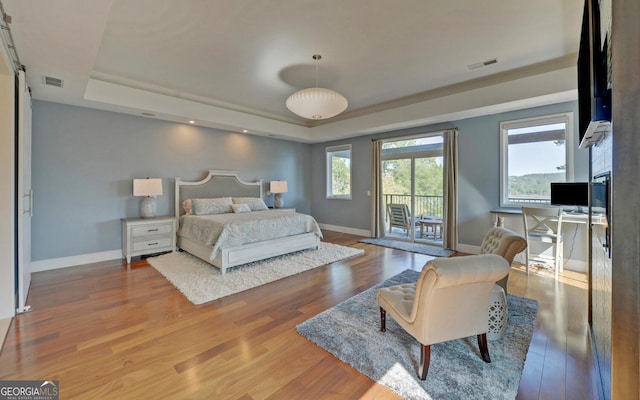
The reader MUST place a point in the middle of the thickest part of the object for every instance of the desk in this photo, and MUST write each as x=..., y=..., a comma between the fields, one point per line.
x=572, y=218
x=576, y=244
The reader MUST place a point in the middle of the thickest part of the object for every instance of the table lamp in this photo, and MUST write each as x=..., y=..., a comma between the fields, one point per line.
x=277, y=188
x=148, y=189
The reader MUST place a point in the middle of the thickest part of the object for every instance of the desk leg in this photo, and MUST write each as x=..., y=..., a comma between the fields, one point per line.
x=498, y=221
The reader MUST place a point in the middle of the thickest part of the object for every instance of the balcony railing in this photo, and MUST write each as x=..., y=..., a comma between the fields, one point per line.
x=425, y=205
x=434, y=205
x=529, y=200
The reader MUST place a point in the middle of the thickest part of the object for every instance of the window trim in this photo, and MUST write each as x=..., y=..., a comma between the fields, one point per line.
x=505, y=126
x=329, y=172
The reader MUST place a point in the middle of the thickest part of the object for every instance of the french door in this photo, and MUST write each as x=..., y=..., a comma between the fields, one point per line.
x=412, y=188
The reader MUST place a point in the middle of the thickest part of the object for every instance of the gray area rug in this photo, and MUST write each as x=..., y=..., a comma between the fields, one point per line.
x=413, y=247
x=201, y=282
x=351, y=332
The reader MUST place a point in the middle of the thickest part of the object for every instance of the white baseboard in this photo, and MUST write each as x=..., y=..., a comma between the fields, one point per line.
x=344, y=229
x=64, y=262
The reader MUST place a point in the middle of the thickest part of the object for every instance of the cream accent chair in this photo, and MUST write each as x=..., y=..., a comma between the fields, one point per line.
x=505, y=243
x=449, y=301
x=544, y=225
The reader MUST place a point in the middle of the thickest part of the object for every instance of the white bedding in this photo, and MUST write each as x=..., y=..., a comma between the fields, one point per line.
x=231, y=229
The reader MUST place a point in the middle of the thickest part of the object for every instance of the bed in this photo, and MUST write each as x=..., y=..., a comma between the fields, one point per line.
x=226, y=239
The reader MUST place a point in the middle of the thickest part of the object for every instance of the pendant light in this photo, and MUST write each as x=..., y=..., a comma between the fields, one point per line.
x=317, y=103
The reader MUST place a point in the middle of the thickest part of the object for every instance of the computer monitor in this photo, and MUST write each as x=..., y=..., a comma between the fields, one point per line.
x=570, y=194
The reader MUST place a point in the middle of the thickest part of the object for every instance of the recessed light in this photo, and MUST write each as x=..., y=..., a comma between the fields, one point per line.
x=192, y=122
x=245, y=131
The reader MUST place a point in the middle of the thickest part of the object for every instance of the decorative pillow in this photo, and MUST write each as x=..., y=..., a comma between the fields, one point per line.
x=240, y=208
x=187, y=207
x=254, y=203
x=218, y=205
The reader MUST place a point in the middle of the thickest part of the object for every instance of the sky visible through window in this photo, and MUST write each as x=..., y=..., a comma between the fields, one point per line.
x=536, y=157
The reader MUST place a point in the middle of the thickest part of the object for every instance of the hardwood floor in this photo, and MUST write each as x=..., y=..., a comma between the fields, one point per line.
x=109, y=330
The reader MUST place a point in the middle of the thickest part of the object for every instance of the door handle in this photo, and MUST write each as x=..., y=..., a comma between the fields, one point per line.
x=30, y=196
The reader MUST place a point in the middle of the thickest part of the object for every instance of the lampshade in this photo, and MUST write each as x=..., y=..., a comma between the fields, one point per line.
x=147, y=187
x=317, y=103
x=278, y=186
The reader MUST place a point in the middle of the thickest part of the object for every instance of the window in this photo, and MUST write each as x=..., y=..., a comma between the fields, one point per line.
x=339, y=172
x=534, y=153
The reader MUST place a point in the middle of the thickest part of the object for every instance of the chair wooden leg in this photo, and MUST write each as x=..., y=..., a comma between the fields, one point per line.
x=383, y=320
x=425, y=359
x=484, y=349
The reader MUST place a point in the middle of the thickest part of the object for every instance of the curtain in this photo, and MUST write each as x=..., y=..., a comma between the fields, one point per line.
x=450, y=188
x=377, y=209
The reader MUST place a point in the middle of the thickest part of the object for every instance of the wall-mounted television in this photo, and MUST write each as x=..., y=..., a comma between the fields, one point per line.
x=570, y=194
x=594, y=93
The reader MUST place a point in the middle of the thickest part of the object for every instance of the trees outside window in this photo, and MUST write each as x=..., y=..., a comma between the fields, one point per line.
x=339, y=172
x=412, y=173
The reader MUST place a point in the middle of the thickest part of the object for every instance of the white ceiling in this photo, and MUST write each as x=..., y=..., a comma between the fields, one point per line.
x=232, y=64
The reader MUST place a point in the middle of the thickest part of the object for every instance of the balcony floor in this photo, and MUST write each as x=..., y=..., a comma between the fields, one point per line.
x=427, y=236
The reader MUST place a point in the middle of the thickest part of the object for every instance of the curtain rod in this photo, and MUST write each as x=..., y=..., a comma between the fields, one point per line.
x=414, y=134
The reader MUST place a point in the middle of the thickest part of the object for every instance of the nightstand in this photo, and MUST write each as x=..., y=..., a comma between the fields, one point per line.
x=143, y=236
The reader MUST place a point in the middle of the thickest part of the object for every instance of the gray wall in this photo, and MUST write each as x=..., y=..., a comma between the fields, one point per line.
x=84, y=161
x=354, y=213
x=479, y=172
x=479, y=166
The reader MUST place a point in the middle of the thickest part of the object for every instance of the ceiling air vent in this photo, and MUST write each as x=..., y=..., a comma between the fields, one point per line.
x=482, y=63
x=51, y=81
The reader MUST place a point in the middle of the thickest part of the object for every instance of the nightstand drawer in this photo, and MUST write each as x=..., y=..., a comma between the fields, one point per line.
x=153, y=244
x=153, y=229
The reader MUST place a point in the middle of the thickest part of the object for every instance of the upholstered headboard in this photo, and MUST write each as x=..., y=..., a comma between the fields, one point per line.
x=218, y=183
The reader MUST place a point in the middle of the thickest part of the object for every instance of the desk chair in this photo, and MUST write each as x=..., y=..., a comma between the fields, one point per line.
x=505, y=243
x=539, y=226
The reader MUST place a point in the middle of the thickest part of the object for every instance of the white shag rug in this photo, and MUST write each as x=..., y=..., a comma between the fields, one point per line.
x=201, y=282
